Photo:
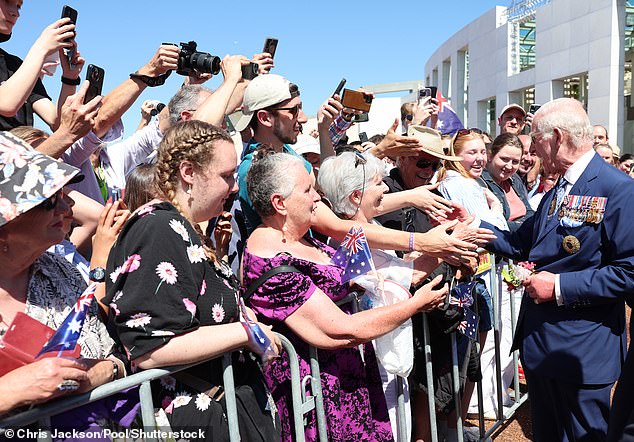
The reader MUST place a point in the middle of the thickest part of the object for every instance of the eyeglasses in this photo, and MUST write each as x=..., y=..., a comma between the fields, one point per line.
x=51, y=203
x=424, y=164
x=293, y=110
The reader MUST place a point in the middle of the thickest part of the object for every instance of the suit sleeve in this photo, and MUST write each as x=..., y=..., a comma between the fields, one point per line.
x=515, y=245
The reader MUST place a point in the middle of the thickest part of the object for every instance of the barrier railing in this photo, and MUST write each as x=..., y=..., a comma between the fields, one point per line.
x=302, y=403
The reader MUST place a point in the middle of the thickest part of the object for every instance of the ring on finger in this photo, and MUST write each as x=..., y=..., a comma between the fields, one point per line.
x=68, y=385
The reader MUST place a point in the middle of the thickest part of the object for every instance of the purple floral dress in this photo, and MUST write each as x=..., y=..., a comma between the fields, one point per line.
x=353, y=395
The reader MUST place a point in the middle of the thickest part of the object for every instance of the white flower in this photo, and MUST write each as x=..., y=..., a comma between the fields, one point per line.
x=117, y=296
x=162, y=333
x=167, y=272
x=168, y=383
x=196, y=253
x=139, y=320
x=218, y=313
x=202, y=401
x=178, y=227
x=114, y=307
x=114, y=275
x=181, y=399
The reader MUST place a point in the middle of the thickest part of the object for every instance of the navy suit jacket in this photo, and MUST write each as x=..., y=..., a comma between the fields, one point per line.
x=582, y=341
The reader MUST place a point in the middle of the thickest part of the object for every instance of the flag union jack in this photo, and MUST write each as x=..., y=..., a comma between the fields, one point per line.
x=354, y=240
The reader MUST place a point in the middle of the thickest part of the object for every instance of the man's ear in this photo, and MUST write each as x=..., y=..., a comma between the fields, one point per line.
x=186, y=115
x=278, y=202
x=559, y=136
x=186, y=172
x=264, y=118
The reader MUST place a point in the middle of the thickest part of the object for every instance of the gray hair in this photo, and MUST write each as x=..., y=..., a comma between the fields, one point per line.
x=566, y=114
x=188, y=97
x=340, y=176
x=269, y=175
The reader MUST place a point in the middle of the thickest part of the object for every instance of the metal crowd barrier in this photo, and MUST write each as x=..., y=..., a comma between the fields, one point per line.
x=302, y=403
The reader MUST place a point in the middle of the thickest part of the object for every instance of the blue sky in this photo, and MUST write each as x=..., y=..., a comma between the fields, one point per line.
x=367, y=42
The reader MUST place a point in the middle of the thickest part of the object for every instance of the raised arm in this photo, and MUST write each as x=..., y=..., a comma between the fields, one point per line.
x=321, y=323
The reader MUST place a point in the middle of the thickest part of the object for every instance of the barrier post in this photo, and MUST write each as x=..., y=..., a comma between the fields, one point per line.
x=230, y=398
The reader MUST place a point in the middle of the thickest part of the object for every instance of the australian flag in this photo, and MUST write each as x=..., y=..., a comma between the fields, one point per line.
x=461, y=295
x=354, y=255
x=469, y=325
x=448, y=120
x=65, y=338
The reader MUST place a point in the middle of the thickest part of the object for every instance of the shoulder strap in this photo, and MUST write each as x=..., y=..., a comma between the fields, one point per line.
x=266, y=276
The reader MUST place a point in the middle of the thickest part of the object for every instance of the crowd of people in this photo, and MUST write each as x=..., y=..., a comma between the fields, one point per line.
x=217, y=211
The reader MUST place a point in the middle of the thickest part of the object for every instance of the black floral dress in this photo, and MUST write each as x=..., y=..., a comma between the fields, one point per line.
x=160, y=284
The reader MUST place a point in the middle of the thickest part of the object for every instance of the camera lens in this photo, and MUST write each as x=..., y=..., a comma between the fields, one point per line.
x=205, y=62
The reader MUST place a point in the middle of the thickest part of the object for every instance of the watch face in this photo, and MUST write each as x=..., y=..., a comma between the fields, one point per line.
x=97, y=274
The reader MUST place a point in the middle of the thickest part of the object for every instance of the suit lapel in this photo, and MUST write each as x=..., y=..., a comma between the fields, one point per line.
x=581, y=187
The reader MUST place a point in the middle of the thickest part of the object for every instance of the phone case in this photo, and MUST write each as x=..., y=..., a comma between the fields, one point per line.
x=356, y=100
x=270, y=46
x=95, y=75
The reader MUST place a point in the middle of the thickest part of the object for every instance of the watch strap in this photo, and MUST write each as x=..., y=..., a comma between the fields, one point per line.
x=151, y=81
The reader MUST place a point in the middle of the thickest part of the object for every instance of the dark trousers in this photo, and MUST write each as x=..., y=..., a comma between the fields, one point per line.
x=567, y=412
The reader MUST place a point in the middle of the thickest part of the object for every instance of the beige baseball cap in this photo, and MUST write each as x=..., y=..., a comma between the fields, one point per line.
x=262, y=92
x=512, y=106
x=431, y=141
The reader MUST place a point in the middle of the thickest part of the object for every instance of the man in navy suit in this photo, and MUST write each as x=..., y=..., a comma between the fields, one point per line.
x=571, y=327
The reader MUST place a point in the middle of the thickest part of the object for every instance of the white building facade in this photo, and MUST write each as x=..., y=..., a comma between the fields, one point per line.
x=534, y=51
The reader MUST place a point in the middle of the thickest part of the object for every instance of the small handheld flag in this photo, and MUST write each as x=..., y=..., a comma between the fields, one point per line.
x=66, y=336
x=256, y=334
x=354, y=255
x=469, y=325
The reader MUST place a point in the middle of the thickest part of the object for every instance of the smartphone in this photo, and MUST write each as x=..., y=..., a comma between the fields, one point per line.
x=363, y=137
x=337, y=91
x=250, y=71
x=270, y=45
x=361, y=118
x=94, y=75
x=424, y=93
x=534, y=108
x=71, y=13
x=356, y=100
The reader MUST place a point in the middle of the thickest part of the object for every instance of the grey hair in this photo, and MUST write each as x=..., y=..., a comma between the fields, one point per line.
x=188, y=97
x=566, y=114
x=339, y=177
x=269, y=175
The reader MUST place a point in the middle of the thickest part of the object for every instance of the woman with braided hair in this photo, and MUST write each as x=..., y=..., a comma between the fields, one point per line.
x=173, y=303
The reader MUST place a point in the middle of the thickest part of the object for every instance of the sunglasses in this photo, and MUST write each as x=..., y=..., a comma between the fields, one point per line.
x=474, y=130
x=409, y=117
x=424, y=164
x=293, y=110
x=51, y=203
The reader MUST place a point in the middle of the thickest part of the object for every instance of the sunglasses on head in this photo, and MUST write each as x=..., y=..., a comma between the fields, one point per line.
x=51, y=203
x=474, y=130
x=293, y=110
x=424, y=164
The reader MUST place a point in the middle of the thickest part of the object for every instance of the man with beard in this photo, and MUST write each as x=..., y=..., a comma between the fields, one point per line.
x=272, y=109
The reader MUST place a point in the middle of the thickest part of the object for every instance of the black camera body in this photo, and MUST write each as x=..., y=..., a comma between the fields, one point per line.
x=190, y=60
x=250, y=71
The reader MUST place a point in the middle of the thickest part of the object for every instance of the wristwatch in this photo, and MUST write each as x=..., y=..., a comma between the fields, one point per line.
x=98, y=274
x=151, y=81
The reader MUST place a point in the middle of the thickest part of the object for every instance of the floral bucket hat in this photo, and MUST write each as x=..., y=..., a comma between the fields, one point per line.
x=28, y=177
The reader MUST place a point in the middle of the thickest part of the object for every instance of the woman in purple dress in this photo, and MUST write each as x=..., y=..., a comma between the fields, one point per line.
x=301, y=306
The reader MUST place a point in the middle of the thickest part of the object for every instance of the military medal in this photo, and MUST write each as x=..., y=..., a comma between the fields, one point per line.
x=571, y=244
x=551, y=209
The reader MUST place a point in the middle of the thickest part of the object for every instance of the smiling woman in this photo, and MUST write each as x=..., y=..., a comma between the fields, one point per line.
x=34, y=213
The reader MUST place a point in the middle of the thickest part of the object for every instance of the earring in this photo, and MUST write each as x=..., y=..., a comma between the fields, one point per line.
x=284, y=229
x=189, y=190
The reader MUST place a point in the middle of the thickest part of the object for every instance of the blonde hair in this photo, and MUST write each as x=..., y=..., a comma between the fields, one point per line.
x=192, y=141
x=30, y=134
x=455, y=149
